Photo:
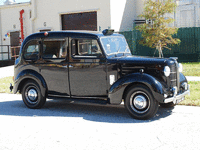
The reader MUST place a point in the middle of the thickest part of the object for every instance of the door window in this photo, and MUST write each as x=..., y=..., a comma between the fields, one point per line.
x=55, y=48
x=86, y=48
x=32, y=50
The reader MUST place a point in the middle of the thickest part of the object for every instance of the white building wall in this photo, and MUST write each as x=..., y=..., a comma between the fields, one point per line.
x=117, y=8
x=124, y=12
x=9, y=22
x=49, y=12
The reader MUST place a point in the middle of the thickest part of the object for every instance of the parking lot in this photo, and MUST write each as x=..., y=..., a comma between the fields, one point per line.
x=65, y=125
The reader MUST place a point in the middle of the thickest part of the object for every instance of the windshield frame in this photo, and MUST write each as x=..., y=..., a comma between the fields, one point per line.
x=117, y=52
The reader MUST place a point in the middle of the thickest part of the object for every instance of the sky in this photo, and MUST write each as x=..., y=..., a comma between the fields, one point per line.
x=17, y=1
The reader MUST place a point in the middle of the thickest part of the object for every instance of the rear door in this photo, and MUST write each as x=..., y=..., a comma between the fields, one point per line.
x=54, y=66
x=87, y=68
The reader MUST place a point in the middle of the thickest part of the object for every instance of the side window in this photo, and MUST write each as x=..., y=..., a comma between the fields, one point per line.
x=32, y=50
x=55, y=48
x=85, y=47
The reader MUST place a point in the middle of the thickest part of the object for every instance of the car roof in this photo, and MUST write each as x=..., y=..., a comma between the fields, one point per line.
x=64, y=34
x=71, y=33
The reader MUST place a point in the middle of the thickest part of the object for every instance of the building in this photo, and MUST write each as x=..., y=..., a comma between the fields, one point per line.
x=187, y=13
x=18, y=20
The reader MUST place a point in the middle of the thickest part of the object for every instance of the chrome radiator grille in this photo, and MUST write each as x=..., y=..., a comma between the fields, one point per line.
x=173, y=76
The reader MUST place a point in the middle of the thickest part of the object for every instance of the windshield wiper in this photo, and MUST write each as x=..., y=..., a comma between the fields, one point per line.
x=126, y=49
x=119, y=49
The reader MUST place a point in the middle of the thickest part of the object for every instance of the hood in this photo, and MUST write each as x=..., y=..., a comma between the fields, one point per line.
x=139, y=60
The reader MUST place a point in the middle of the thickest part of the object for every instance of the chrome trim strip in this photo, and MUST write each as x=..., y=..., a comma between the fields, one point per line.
x=60, y=96
x=76, y=97
x=173, y=80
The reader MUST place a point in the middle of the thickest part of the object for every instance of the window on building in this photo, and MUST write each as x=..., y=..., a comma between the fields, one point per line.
x=31, y=51
x=45, y=30
x=184, y=2
x=30, y=14
x=85, y=48
x=55, y=48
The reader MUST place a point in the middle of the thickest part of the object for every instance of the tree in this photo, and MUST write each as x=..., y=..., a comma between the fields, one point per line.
x=155, y=32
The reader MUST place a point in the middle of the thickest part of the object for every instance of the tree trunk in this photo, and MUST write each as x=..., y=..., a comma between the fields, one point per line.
x=159, y=48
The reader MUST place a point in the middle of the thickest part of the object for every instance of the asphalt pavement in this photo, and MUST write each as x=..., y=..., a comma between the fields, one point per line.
x=68, y=125
x=64, y=125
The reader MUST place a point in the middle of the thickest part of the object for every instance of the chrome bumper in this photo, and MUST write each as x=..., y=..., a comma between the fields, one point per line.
x=177, y=98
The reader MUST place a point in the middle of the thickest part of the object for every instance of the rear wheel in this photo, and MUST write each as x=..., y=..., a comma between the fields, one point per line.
x=31, y=95
x=140, y=103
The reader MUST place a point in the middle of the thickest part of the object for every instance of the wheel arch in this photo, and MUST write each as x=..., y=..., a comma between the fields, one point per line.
x=118, y=90
x=27, y=75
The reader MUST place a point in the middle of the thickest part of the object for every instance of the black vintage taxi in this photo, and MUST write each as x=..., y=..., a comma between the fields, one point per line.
x=96, y=67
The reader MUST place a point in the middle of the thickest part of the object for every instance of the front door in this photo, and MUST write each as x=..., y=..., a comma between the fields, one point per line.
x=87, y=68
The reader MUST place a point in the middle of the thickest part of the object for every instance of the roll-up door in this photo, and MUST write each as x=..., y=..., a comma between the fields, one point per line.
x=80, y=21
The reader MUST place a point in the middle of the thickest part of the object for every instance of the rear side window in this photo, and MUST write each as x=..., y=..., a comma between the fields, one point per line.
x=32, y=50
x=55, y=48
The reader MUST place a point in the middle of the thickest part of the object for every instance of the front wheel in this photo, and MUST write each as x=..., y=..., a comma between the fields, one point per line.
x=140, y=103
x=32, y=96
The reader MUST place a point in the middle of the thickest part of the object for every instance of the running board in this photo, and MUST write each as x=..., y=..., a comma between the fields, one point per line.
x=82, y=100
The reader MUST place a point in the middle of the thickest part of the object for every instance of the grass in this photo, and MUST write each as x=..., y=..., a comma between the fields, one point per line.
x=5, y=84
x=192, y=100
x=191, y=69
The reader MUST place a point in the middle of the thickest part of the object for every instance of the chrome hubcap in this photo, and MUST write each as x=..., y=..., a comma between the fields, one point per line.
x=31, y=96
x=139, y=102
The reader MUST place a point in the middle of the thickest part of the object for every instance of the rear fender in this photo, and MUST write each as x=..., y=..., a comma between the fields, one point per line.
x=25, y=75
x=117, y=90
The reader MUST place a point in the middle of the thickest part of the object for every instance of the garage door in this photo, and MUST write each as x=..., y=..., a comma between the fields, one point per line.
x=80, y=21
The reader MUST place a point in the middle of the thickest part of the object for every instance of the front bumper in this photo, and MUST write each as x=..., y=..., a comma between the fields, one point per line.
x=177, y=98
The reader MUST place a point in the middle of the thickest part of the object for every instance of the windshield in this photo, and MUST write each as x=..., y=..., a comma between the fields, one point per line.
x=115, y=44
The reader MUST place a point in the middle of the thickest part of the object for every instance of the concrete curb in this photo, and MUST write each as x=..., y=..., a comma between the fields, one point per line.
x=192, y=78
x=6, y=71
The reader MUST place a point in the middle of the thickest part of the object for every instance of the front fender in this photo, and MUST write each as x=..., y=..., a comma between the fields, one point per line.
x=25, y=75
x=117, y=90
x=182, y=78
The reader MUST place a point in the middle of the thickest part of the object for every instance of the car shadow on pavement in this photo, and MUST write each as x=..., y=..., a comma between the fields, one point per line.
x=91, y=112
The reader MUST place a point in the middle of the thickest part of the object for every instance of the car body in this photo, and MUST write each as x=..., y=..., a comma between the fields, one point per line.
x=96, y=67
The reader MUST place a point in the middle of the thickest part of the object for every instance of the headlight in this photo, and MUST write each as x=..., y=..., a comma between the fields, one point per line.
x=180, y=67
x=167, y=71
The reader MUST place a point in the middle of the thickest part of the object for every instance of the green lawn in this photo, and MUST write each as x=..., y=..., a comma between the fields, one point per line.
x=5, y=84
x=194, y=98
x=191, y=69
